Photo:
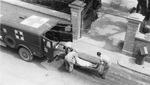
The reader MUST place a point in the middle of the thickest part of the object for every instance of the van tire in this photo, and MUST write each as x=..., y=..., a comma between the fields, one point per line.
x=25, y=54
x=10, y=41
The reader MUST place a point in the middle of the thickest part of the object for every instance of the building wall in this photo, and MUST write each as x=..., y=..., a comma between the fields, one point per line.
x=141, y=43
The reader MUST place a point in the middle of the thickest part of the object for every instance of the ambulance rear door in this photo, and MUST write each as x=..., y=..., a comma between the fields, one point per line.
x=48, y=48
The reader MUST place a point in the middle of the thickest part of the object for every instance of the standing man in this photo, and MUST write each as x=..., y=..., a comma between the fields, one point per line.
x=143, y=7
x=148, y=10
x=97, y=4
x=105, y=61
x=70, y=60
x=70, y=56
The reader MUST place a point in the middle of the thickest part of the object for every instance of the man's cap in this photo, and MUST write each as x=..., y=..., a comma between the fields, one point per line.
x=68, y=44
x=98, y=53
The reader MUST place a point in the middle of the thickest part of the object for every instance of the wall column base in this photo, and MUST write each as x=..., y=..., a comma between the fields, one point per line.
x=128, y=53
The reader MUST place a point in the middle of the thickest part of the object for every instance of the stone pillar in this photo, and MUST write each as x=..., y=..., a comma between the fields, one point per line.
x=76, y=10
x=134, y=20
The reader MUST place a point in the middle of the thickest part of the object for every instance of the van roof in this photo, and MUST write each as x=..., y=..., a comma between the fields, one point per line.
x=30, y=23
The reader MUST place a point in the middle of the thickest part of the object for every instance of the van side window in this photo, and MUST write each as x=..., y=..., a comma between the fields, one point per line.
x=68, y=29
x=48, y=44
x=4, y=30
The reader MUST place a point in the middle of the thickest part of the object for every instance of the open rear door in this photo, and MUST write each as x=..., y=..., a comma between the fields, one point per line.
x=60, y=32
x=48, y=48
x=66, y=34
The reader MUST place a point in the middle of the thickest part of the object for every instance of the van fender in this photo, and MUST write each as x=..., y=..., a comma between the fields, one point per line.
x=21, y=45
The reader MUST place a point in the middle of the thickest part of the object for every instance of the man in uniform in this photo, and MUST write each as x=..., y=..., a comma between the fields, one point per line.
x=105, y=61
x=70, y=60
x=70, y=56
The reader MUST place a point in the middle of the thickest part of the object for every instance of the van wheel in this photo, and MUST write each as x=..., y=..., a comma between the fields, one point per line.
x=25, y=54
x=10, y=41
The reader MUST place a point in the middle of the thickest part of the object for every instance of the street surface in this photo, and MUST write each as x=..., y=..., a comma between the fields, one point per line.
x=15, y=71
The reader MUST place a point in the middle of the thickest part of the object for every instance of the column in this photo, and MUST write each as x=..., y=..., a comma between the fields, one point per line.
x=134, y=20
x=76, y=10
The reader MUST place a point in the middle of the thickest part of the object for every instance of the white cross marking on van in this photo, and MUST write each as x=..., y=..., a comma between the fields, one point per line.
x=19, y=35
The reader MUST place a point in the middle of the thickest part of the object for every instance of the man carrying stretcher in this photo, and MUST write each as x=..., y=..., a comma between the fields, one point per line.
x=72, y=58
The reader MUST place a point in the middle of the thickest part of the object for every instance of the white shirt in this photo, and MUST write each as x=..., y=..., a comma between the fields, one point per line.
x=105, y=59
x=71, y=57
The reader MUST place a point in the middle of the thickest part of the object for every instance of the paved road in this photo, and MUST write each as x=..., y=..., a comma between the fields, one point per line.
x=15, y=71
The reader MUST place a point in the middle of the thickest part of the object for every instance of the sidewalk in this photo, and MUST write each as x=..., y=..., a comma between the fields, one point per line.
x=129, y=63
x=90, y=47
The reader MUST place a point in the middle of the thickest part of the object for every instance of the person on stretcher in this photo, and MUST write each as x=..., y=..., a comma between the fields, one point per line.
x=72, y=58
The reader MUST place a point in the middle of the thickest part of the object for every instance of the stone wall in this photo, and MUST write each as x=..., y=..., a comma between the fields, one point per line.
x=141, y=41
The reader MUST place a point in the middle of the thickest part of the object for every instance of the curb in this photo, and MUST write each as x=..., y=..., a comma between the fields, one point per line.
x=133, y=67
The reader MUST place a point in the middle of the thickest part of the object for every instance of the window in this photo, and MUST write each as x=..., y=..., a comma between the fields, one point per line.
x=68, y=29
x=4, y=30
x=48, y=44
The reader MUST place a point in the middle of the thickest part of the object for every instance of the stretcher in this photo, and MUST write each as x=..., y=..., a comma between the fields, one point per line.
x=89, y=62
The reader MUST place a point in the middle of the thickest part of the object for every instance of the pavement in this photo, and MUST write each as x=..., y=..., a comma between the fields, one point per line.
x=129, y=63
